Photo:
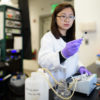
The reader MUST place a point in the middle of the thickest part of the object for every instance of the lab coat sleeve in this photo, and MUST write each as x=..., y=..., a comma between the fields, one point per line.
x=47, y=56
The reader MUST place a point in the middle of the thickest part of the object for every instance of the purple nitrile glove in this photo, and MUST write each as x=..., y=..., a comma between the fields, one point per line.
x=71, y=48
x=83, y=70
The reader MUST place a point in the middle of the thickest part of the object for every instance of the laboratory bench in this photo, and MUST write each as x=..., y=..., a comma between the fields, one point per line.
x=12, y=93
x=95, y=95
x=77, y=96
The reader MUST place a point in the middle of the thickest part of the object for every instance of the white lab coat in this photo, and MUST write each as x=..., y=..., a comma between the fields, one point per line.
x=48, y=57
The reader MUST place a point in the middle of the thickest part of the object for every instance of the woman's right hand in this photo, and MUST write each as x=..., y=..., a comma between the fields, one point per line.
x=71, y=48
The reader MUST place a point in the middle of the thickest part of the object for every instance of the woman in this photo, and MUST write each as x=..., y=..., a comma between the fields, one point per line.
x=59, y=48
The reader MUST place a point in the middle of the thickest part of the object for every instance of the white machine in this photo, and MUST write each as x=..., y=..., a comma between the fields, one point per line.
x=85, y=83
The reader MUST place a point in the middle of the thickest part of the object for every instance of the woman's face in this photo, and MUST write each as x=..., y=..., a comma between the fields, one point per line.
x=65, y=19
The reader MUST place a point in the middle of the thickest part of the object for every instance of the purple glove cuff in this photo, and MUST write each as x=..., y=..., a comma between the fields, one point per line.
x=64, y=54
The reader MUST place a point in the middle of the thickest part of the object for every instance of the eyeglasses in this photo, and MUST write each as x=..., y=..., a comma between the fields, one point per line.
x=65, y=17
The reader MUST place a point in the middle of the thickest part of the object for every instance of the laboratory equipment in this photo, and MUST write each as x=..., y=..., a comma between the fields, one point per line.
x=11, y=37
x=85, y=83
x=62, y=90
x=98, y=59
x=17, y=80
x=4, y=78
x=36, y=87
x=17, y=83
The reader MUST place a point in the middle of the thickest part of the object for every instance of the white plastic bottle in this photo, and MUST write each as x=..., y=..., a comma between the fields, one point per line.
x=36, y=87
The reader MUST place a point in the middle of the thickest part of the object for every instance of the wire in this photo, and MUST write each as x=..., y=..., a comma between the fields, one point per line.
x=45, y=69
x=50, y=85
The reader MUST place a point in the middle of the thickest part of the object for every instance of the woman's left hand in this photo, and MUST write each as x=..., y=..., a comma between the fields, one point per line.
x=83, y=70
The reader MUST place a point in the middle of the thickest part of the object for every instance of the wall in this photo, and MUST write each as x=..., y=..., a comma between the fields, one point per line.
x=86, y=10
x=37, y=8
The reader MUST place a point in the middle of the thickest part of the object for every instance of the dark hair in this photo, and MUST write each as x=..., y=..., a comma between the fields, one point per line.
x=54, y=28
